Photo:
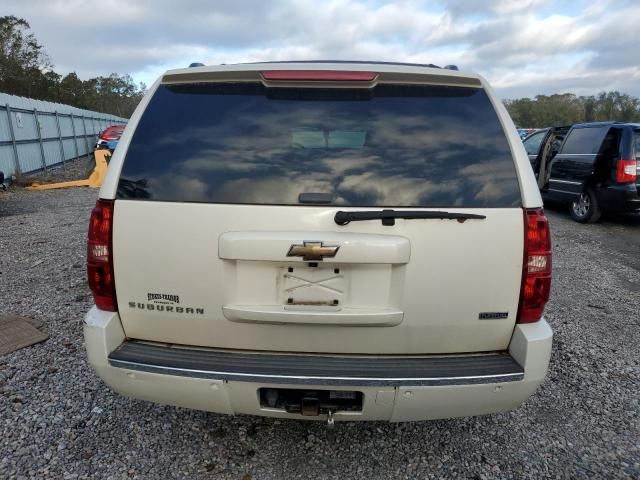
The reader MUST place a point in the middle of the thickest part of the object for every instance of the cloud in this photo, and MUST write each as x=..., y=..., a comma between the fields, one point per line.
x=523, y=48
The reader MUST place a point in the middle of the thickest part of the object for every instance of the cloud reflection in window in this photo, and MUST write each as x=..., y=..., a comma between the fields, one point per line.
x=436, y=147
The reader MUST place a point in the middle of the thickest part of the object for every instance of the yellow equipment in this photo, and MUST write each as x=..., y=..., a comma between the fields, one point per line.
x=95, y=178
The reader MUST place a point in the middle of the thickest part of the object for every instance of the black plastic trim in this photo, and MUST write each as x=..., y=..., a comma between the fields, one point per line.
x=307, y=369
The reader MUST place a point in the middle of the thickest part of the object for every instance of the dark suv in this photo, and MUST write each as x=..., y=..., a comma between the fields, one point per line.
x=592, y=166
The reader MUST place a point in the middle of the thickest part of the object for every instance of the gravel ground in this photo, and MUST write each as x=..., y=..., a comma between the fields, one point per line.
x=58, y=420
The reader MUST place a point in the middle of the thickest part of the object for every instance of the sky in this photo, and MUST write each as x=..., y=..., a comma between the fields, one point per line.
x=523, y=47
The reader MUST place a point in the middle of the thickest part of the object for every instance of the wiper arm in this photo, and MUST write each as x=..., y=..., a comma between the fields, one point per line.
x=388, y=216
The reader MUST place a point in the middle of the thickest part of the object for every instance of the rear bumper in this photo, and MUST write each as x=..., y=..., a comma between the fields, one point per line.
x=619, y=198
x=395, y=388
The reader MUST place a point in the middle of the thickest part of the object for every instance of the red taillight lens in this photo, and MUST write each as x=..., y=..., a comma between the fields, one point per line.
x=319, y=75
x=626, y=171
x=536, y=274
x=99, y=256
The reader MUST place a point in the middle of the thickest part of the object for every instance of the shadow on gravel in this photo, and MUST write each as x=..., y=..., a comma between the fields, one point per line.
x=10, y=207
x=632, y=220
x=623, y=219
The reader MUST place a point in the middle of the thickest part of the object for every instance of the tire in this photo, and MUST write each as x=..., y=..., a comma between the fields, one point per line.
x=586, y=209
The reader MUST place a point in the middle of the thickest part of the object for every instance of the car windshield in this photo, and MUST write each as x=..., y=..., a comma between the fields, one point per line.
x=391, y=145
x=532, y=143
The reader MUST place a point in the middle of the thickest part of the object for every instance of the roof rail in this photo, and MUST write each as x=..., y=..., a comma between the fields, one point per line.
x=451, y=67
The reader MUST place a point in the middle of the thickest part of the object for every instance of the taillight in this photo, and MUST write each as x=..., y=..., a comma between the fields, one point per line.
x=626, y=171
x=319, y=75
x=536, y=270
x=100, y=257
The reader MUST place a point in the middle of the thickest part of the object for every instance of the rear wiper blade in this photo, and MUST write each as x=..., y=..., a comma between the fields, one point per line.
x=388, y=216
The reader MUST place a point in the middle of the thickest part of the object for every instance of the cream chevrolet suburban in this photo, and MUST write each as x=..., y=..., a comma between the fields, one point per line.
x=321, y=240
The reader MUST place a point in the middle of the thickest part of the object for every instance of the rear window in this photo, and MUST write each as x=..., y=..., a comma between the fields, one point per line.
x=422, y=146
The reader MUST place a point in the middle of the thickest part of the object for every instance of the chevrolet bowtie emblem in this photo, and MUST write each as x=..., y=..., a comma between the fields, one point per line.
x=312, y=251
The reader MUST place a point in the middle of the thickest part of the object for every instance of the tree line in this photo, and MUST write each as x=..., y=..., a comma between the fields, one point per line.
x=26, y=70
x=567, y=108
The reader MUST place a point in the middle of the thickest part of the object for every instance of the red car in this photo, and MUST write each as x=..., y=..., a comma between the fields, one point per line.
x=109, y=137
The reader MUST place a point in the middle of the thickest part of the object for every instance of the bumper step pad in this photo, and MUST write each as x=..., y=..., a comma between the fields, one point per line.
x=308, y=369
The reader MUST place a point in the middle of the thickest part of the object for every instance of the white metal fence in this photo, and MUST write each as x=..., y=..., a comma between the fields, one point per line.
x=35, y=135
